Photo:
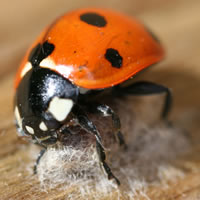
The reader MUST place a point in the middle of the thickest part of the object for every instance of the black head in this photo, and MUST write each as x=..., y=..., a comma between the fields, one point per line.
x=43, y=102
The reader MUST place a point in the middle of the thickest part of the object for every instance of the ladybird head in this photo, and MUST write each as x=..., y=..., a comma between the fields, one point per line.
x=43, y=102
x=44, y=99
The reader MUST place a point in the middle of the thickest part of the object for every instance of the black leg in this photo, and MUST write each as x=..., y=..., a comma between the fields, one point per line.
x=106, y=111
x=147, y=88
x=38, y=160
x=102, y=158
x=86, y=124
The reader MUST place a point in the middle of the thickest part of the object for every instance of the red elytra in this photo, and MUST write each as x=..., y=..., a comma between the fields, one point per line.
x=81, y=47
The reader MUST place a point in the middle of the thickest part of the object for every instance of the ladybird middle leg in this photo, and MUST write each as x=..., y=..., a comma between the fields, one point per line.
x=143, y=88
x=106, y=111
x=86, y=123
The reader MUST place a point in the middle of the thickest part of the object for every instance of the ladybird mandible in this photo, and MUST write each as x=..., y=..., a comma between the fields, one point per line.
x=81, y=54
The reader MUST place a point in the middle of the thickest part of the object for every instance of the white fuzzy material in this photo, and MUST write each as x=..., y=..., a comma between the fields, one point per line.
x=144, y=164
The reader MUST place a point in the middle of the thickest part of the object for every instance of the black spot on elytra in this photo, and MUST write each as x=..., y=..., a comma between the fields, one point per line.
x=39, y=52
x=114, y=57
x=93, y=19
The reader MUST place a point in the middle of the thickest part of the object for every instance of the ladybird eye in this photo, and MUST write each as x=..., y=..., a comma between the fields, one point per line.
x=60, y=108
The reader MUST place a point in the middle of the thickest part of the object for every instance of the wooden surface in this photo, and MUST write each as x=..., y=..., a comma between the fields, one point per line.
x=177, y=24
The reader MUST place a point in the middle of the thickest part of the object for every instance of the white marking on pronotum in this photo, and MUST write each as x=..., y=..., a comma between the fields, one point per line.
x=65, y=70
x=18, y=117
x=48, y=63
x=29, y=129
x=43, y=126
x=60, y=108
x=27, y=67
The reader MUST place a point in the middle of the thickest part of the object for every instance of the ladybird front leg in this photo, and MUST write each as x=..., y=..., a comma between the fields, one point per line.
x=87, y=125
x=106, y=111
x=148, y=88
x=38, y=160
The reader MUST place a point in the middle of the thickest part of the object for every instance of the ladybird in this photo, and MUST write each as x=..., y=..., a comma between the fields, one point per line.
x=79, y=56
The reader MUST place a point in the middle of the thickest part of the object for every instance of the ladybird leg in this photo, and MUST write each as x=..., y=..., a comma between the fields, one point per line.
x=86, y=124
x=38, y=160
x=148, y=88
x=102, y=157
x=106, y=111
